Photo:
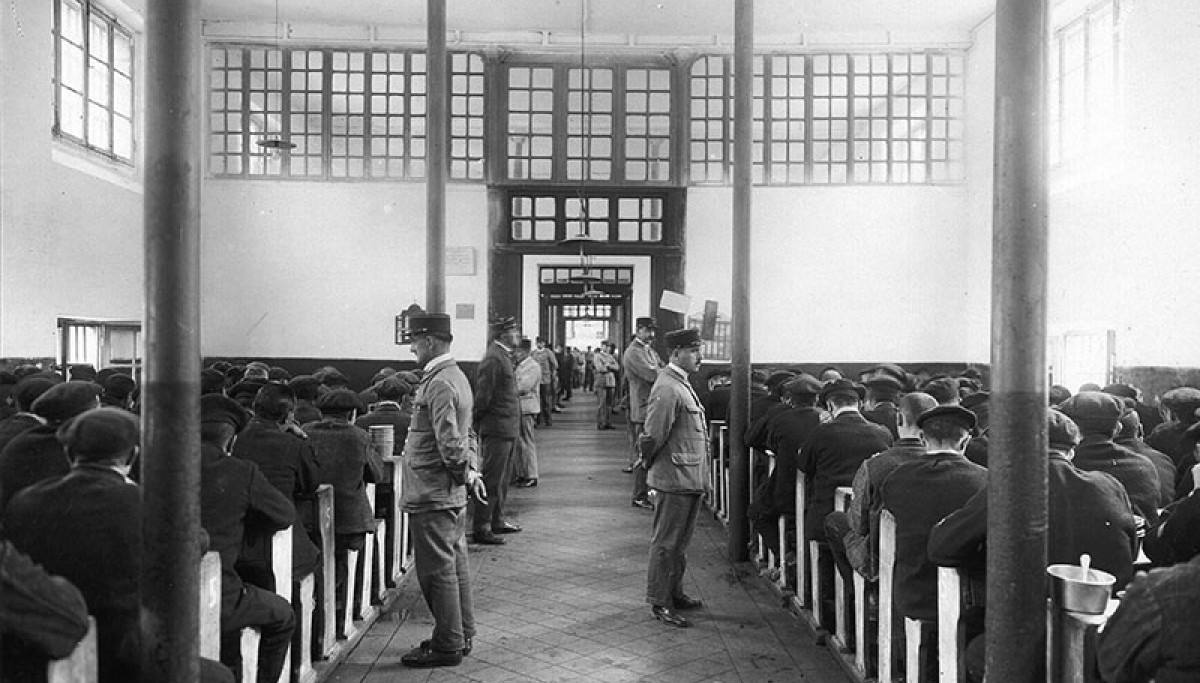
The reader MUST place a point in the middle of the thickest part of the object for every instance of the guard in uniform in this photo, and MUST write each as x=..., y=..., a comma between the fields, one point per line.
x=497, y=418
x=641, y=364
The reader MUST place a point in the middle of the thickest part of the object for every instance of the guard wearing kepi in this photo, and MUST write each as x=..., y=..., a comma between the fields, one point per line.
x=439, y=470
x=673, y=447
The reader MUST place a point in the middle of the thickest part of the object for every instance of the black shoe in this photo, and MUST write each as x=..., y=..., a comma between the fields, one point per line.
x=668, y=616
x=627, y=470
x=643, y=503
x=486, y=539
x=527, y=483
x=506, y=528
x=427, y=658
x=428, y=645
x=685, y=602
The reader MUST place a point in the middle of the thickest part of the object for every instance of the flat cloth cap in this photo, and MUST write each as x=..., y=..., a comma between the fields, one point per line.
x=843, y=387
x=100, y=433
x=952, y=413
x=689, y=337
x=392, y=388
x=498, y=325
x=1182, y=396
x=65, y=400
x=1122, y=390
x=647, y=322
x=883, y=379
x=218, y=408
x=943, y=389
x=891, y=370
x=1093, y=410
x=211, y=381
x=779, y=378
x=29, y=389
x=247, y=387
x=305, y=386
x=803, y=385
x=339, y=401
x=1062, y=432
x=119, y=386
x=971, y=401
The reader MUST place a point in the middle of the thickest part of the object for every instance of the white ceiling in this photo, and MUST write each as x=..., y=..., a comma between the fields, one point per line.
x=629, y=17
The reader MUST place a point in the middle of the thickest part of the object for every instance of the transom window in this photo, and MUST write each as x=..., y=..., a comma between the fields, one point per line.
x=567, y=123
x=93, y=78
x=1083, y=84
x=336, y=113
x=569, y=275
x=835, y=118
x=553, y=217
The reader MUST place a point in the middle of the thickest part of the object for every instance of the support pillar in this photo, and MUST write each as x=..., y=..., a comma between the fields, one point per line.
x=170, y=459
x=437, y=127
x=1017, y=519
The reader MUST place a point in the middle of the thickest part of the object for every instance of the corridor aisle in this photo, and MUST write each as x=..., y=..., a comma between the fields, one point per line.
x=564, y=600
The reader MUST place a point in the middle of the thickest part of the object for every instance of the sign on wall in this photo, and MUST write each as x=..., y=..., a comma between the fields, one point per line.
x=460, y=260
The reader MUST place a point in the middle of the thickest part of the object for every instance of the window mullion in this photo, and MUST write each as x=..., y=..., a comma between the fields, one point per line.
x=327, y=114
x=558, y=120
x=620, y=93
x=929, y=177
x=368, y=114
x=808, y=119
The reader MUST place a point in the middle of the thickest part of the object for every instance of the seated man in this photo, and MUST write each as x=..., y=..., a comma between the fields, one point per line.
x=24, y=394
x=42, y=617
x=1152, y=635
x=95, y=542
x=35, y=454
x=1088, y=512
x=919, y=493
x=234, y=493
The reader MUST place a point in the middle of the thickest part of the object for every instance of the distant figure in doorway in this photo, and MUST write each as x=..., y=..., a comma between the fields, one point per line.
x=525, y=469
x=604, y=365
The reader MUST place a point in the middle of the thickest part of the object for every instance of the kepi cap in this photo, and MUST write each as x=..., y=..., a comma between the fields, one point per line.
x=689, y=337
x=647, y=322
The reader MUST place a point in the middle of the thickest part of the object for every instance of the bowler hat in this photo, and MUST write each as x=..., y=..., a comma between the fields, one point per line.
x=685, y=338
x=842, y=387
x=65, y=400
x=217, y=408
x=952, y=413
x=647, y=322
x=100, y=433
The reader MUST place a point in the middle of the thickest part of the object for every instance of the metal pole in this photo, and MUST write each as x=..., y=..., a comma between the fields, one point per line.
x=739, y=406
x=171, y=379
x=1016, y=573
x=437, y=124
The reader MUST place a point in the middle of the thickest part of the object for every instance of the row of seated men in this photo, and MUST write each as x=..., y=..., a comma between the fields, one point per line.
x=60, y=444
x=923, y=456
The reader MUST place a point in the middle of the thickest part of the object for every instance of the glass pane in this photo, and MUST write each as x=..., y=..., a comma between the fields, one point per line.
x=71, y=67
x=123, y=138
x=72, y=21
x=70, y=117
x=98, y=129
x=98, y=38
x=123, y=53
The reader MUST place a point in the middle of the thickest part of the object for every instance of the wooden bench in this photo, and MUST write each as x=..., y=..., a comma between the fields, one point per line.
x=887, y=613
x=803, y=590
x=210, y=605
x=325, y=524
x=952, y=644
x=842, y=496
x=82, y=665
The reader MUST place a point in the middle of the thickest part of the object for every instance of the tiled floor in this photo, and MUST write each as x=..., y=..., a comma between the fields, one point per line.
x=564, y=599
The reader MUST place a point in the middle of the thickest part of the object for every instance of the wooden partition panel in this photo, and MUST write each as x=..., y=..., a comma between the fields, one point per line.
x=802, y=588
x=281, y=567
x=210, y=605
x=842, y=496
x=951, y=635
x=887, y=569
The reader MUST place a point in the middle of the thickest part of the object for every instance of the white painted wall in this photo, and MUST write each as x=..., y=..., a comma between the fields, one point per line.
x=70, y=224
x=302, y=270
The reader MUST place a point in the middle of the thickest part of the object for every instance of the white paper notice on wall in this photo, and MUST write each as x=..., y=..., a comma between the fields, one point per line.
x=675, y=302
x=460, y=260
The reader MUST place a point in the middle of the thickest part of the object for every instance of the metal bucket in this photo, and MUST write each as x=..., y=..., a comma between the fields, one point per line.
x=1080, y=589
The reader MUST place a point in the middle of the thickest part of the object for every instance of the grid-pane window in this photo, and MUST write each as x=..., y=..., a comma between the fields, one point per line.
x=639, y=219
x=530, y=123
x=1083, y=84
x=589, y=124
x=534, y=219
x=587, y=217
x=647, y=124
x=93, y=79
x=613, y=217
x=336, y=113
x=466, y=116
x=835, y=118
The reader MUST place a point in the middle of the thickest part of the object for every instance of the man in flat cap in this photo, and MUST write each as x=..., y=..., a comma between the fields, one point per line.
x=1088, y=512
x=439, y=471
x=118, y=391
x=388, y=410
x=674, y=447
x=1131, y=436
x=641, y=364
x=786, y=431
x=919, y=493
x=1171, y=437
x=36, y=454
x=1098, y=415
x=830, y=458
x=1148, y=415
x=884, y=385
x=24, y=394
x=348, y=462
x=497, y=419
x=234, y=494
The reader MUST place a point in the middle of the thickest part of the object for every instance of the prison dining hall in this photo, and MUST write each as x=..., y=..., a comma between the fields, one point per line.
x=726, y=341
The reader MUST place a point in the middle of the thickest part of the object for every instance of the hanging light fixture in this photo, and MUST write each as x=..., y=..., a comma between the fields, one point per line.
x=588, y=275
x=276, y=145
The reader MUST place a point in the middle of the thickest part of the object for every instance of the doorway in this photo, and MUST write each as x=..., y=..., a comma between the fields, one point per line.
x=582, y=307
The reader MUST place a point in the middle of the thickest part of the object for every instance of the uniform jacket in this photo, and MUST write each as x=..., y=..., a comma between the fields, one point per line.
x=606, y=367
x=641, y=364
x=831, y=458
x=919, y=493
x=529, y=376
x=32, y=456
x=674, y=439
x=1135, y=472
x=95, y=542
x=388, y=413
x=235, y=495
x=1089, y=512
x=1152, y=635
x=548, y=363
x=348, y=462
x=290, y=465
x=497, y=410
x=862, y=541
x=440, y=447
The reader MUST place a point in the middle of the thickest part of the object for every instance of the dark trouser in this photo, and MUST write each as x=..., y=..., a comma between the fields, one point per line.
x=837, y=525
x=275, y=621
x=496, y=453
x=440, y=547
x=545, y=402
x=640, y=490
x=525, y=457
x=604, y=410
x=674, y=523
x=342, y=545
